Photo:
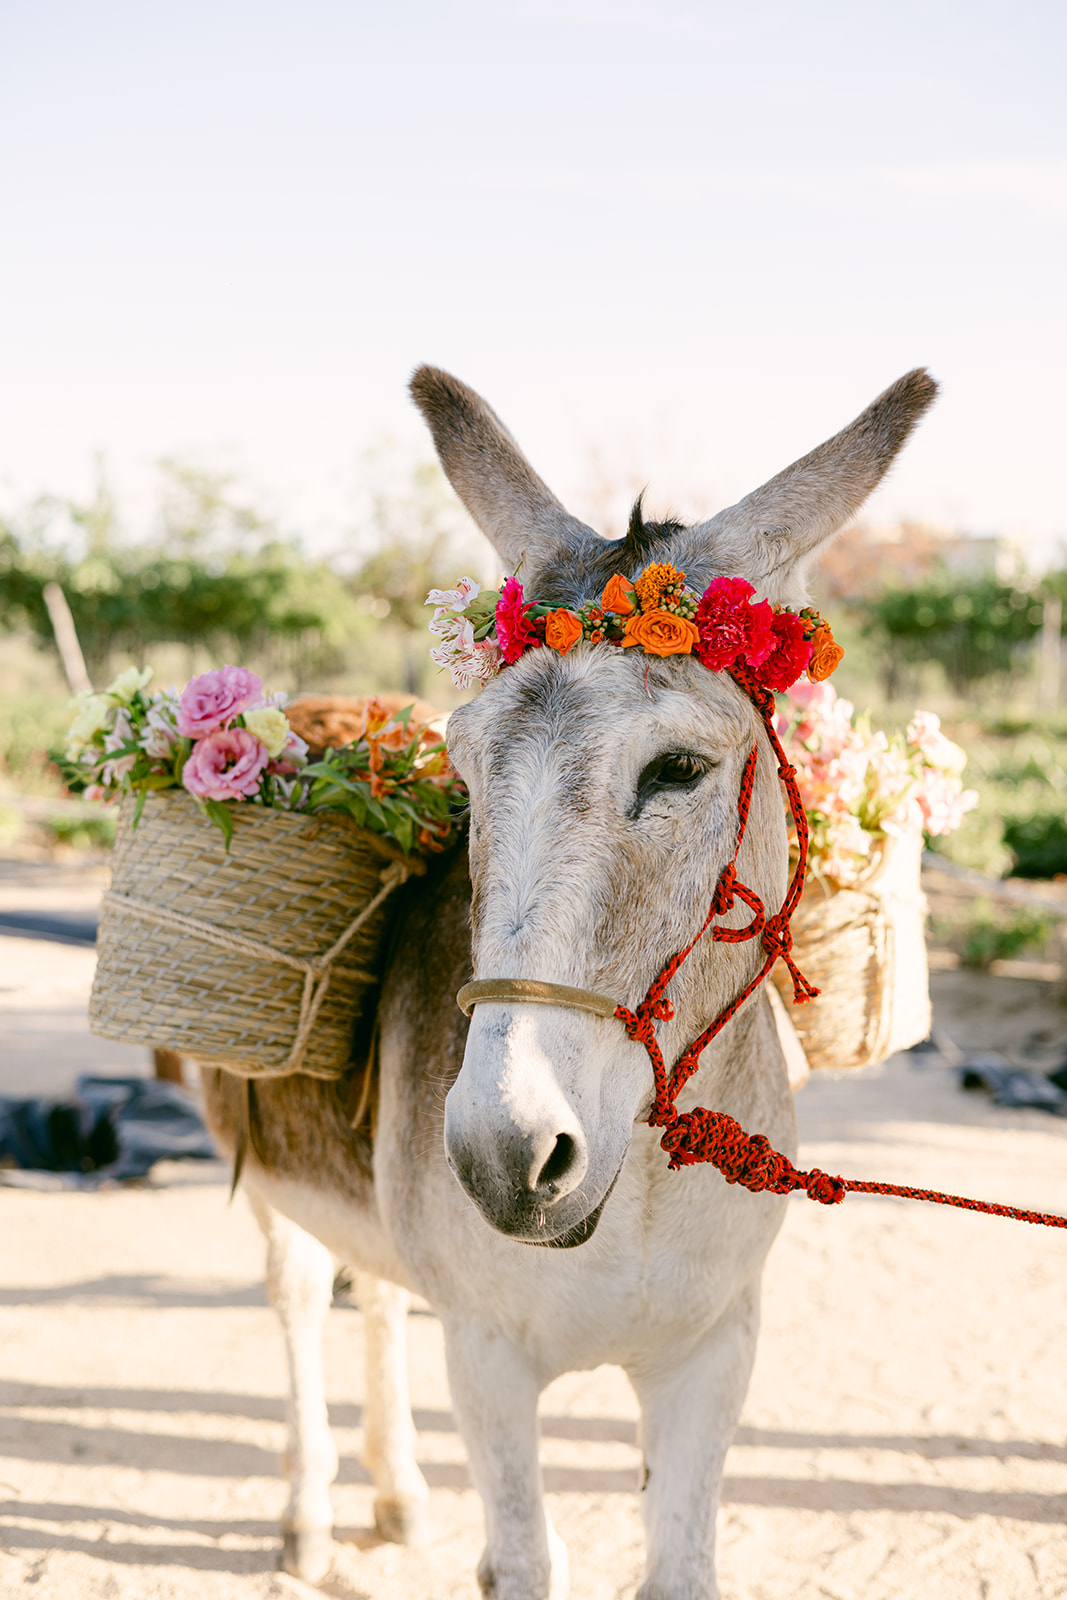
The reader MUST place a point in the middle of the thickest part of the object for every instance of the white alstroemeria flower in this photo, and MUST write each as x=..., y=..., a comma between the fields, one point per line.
x=457, y=599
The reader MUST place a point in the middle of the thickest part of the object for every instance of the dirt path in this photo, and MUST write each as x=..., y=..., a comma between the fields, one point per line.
x=904, y=1436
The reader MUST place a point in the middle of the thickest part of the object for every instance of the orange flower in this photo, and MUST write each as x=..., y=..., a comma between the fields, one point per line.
x=826, y=653
x=652, y=582
x=616, y=596
x=373, y=717
x=562, y=629
x=660, y=634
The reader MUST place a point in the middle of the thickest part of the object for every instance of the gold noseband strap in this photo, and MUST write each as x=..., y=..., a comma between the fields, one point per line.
x=523, y=991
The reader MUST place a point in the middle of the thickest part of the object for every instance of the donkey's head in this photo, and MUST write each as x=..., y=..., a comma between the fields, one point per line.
x=604, y=804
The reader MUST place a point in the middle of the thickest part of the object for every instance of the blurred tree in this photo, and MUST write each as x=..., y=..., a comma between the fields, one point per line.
x=973, y=631
x=218, y=577
x=413, y=536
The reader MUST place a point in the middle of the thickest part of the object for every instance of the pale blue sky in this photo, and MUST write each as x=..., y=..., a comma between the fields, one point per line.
x=693, y=237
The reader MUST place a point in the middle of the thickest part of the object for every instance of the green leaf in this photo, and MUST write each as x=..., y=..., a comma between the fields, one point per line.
x=219, y=814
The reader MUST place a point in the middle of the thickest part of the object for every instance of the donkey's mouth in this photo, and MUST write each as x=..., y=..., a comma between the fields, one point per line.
x=529, y=1222
x=581, y=1231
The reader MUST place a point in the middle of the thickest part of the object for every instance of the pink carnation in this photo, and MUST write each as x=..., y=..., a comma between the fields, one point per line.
x=215, y=698
x=791, y=654
x=225, y=765
x=514, y=630
x=730, y=626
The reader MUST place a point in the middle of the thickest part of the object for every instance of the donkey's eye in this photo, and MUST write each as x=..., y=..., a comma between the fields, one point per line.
x=674, y=770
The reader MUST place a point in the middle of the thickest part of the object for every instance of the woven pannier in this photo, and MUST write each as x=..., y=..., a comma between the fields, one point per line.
x=255, y=960
x=865, y=948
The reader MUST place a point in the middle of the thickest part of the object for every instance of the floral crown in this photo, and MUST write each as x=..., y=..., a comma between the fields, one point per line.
x=485, y=630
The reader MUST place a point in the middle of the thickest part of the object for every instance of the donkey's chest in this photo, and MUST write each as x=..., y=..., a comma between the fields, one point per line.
x=665, y=1264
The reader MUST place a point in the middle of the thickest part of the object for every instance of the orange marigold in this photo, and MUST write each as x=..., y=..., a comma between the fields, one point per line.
x=652, y=582
x=661, y=634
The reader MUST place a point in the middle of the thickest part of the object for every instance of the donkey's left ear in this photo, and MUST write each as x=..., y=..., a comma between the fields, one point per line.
x=769, y=536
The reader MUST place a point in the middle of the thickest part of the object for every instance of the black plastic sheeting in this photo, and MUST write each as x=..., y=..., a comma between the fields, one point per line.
x=109, y=1131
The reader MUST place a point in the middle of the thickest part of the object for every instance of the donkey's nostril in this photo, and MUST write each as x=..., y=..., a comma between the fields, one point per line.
x=559, y=1162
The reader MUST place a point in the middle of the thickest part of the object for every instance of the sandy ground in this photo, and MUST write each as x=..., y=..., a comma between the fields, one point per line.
x=904, y=1435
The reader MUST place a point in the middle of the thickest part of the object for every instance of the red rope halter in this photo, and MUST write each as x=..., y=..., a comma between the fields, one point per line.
x=692, y=1137
x=774, y=933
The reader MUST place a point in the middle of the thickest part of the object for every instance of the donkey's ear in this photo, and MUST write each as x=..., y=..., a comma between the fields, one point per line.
x=769, y=536
x=516, y=511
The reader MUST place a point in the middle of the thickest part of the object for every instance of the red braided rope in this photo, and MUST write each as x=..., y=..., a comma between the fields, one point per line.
x=774, y=932
x=748, y=1159
x=692, y=1137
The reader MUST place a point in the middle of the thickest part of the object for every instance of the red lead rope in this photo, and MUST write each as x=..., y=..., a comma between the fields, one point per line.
x=692, y=1137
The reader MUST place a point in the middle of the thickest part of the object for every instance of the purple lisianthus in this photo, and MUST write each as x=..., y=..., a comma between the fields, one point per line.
x=225, y=765
x=216, y=698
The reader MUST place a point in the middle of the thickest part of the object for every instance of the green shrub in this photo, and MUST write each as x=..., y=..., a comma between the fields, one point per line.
x=990, y=933
x=82, y=833
x=1039, y=844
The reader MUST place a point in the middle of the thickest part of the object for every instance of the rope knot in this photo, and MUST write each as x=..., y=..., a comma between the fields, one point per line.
x=723, y=900
x=777, y=936
x=778, y=943
x=821, y=1187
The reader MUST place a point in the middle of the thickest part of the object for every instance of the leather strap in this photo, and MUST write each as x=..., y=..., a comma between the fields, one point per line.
x=523, y=991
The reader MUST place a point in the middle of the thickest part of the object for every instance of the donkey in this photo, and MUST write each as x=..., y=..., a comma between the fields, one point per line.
x=511, y=1178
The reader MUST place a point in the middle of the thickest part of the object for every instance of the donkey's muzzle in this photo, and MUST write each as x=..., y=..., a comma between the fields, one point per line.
x=522, y=1179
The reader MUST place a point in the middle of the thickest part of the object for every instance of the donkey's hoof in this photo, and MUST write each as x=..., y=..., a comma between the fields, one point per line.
x=403, y=1521
x=307, y=1553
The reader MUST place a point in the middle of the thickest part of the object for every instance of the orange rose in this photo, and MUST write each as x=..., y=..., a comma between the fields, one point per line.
x=562, y=629
x=661, y=634
x=616, y=596
x=825, y=654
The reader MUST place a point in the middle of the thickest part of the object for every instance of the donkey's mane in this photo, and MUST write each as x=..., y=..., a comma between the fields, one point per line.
x=579, y=577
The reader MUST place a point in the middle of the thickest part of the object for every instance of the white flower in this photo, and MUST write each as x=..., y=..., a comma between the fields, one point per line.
x=457, y=599
x=445, y=623
x=470, y=661
x=270, y=725
x=121, y=733
x=128, y=682
x=91, y=713
x=924, y=730
x=160, y=733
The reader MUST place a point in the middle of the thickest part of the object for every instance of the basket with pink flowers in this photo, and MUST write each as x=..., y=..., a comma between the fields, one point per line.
x=859, y=929
x=250, y=884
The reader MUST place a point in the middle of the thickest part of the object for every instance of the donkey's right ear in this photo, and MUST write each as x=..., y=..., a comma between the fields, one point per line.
x=518, y=513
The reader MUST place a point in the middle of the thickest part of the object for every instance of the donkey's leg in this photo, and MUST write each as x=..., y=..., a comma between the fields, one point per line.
x=688, y=1414
x=388, y=1431
x=494, y=1393
x=300, y=1274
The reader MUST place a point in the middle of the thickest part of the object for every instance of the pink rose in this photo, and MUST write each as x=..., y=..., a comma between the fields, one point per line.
x=225, y=765
x=215, y=698
x=514, y=631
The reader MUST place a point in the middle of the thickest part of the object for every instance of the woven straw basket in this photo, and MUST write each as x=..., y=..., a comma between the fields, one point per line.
x=255, y=960
x=865, y=948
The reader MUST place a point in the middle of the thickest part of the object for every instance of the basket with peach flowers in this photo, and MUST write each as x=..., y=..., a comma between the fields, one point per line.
x=251, y=884
x=870, y=800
